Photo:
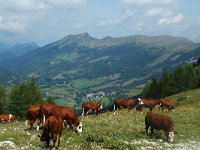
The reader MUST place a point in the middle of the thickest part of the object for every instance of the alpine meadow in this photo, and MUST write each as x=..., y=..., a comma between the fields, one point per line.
x=80, y=68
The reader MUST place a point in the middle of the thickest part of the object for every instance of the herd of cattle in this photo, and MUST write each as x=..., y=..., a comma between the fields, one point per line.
x=54, y=118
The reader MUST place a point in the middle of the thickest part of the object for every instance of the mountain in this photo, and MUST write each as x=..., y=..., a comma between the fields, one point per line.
x=7, y=77
x=82, y=62
x=7, y=51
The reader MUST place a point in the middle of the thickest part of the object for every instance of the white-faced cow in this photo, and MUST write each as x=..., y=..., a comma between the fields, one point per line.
x=160, y=122
x=166, y=104
x=7, y=118
x=148, y=103
x=93, y=106
x=33, y=113
x=65, y=113
x=125, y=103
x=52, y=130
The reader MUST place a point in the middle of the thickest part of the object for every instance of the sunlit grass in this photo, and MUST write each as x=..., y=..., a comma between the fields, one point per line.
x=109, y=131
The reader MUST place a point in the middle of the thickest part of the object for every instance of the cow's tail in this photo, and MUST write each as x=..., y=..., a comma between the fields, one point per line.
x=114, y=109
x=26, y=123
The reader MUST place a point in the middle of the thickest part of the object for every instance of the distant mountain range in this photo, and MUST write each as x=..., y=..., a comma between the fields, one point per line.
x=105, y=63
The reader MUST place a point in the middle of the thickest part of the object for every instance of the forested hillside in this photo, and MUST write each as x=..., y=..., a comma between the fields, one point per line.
x=77, y=65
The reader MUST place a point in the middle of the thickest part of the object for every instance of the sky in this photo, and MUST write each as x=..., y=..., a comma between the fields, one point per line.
x=46, y=21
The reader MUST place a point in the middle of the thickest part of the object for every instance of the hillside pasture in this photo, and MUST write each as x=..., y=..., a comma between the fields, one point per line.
x=121, y=131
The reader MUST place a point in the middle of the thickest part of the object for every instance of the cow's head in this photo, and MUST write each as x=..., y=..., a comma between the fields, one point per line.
x=140, y=101
x=79, y=128
x=172, y=108
x=171, y=136
x=101, y=107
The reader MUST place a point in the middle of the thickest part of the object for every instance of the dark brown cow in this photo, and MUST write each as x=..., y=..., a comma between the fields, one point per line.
x=94, y=106
x=148, y=103
x=125, y=103
x=52, y=130
x=66, y=113
x=166, y=104
x=160, y=122
x=7, y=118
x=33, y=113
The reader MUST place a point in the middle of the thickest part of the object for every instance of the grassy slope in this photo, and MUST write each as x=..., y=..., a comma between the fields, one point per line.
x=120, y=131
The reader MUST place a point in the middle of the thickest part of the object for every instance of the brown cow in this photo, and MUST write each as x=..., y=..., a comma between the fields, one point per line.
x=160, y=122
x=166, y=103
x=66, y=113
x=94, y=106
x=125, y=103
x=33, y=113
x=148, y=103
x=46, y=110
x=52, y=130
x=7, y=118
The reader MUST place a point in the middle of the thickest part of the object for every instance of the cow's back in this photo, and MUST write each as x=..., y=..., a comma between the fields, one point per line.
x=159, y=121
x=91, y=105
x=54, y=124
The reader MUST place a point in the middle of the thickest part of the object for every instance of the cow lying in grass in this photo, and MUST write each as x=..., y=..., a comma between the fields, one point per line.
x=7, y=118
x=160, y=122
x=52, y=130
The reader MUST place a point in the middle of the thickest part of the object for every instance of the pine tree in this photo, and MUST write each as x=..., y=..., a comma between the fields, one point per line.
x=22, y=95
x=3, y=103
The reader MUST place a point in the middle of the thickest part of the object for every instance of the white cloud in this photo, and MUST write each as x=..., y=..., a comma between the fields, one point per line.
x=154, y=11
x=171, y=20
x=11, y=25
x=146, y=2
x=114, y=22
x=38, y=5
x=140, y=25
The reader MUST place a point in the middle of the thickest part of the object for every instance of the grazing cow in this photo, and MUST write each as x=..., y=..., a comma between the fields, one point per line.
x=46, y=110
x=148, y=103
x=52, y=130
x=7, y=118
x=160, y=122
x=33, y=113
x=65, y=113
x=166, y=103
x=125, y=103
x=94, y=106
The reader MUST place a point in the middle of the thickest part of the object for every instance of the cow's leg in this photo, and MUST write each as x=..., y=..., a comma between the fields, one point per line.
x=152, y=131
x=96, y=112
x=147, y=128
x=83, y=112
x=54, y=140
x=58, y=140
x=32, y=122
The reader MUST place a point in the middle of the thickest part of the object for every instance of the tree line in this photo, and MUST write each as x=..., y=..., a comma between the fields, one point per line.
x=184, y=77
x=19, y=97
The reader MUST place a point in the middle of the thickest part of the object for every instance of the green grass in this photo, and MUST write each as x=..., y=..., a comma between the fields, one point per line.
x=121, y=131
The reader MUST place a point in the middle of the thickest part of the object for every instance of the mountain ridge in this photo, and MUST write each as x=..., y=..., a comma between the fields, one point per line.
x=83, y=63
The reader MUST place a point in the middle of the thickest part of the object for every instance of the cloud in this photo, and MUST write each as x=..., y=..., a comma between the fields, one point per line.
x=140, y=25
x=154, y=11
x=16, y=16
x=171, y=20
x=38, y=5
x=114, y=22
x=11, y=25
x=146, y=2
